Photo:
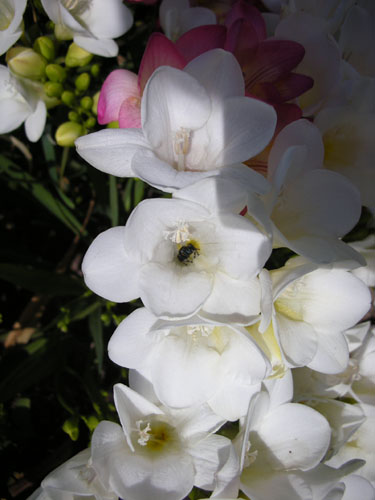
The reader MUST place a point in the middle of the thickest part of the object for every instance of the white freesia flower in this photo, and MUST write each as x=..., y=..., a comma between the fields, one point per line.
x=91, y=23
x=184, y=254
x=11, y=12
x=311, y=208
x=74, y=479
x=157, y=452
x=215, y=363
x=194, y=122
x=311, y=310
x=20, y=102
x=176, y=17
x=349, y=147
x=366, y=248
x=361, y=445
x=321, y=60
x=357, y=381
x=280, y=439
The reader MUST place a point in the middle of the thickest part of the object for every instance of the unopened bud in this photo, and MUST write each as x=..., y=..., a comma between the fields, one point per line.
x=25, y=62
x=113, y=124
x=55, y=73
x=76, y=56
x=82, y=82
x=68, y=97
x=86, y=103
x=67, y=133
x=90, y=122
x=73, y=116
x=95, y=70
x=95, y=101
x=53, y=89
x=45, y=47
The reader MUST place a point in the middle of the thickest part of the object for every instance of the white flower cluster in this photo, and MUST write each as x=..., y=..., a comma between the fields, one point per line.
x=221, y=338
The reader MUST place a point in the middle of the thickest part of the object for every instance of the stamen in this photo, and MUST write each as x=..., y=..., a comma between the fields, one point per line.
x=179, y=235
x=182, y=146
x=144, y=435
x=203, y=330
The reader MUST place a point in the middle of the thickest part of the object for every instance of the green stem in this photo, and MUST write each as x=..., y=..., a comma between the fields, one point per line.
x=113, y=200
x=64, y=160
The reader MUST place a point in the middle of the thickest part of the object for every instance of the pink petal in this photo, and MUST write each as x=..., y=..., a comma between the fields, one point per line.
x=241, y=35
x=242, y=10
x=286, y=113
x=160, y=51
x=130, y=113
x=274, y=59
x=293, y=86
x=201, y=39
x=119, y=85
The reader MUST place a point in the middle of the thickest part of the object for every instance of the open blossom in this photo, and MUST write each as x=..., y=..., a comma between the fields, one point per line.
x=158, y=452
x=280, y=439
x=184, y=254
x=91, y=23
x=311, y=311
x=74, y=479
x=20, y=102
x=194, y=122
x=11, y=12
x=215, y=363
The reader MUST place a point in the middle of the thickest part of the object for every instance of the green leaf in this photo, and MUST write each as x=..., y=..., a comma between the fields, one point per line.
x=127, y=196
x=96, y=330
x=139, y=191
x=40, y=193
x=40, y=280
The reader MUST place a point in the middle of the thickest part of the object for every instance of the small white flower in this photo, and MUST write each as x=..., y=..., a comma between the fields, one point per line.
x=91, y=23
x=11, y=12
x=20, y=102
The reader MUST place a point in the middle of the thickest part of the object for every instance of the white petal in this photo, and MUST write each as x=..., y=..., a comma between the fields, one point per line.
x=233, y=300
x=298, y=340
x=112, y=150
x=171, y=291
x=13, y=113
x=219, y=72
x=172, y=100
x=293, y=436
x=103, y=47
x=132, y=341
x=34, y=124
x=332, y=355
x=238, y=129
x=108, y=20
x=107, y=269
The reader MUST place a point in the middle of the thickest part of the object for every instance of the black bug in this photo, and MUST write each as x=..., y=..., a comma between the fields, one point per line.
x=187, y=253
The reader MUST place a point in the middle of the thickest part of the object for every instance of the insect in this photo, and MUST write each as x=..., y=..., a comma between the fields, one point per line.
x=187, y=253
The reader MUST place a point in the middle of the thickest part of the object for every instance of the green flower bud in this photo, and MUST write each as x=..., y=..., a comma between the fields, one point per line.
x=113, y=125
x=25, y=62
x=82, y=82
x=68, y=97
x=86, y=103
x=95, y=70
x=67, y=133
x=90, y=122
x=94, y=108
x=45, y=47
x=74, y=116
x=77, y=56
x=53, y=89
x=56, y=73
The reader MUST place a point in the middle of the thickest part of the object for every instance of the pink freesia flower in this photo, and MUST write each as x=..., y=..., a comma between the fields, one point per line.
x=267, y=66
